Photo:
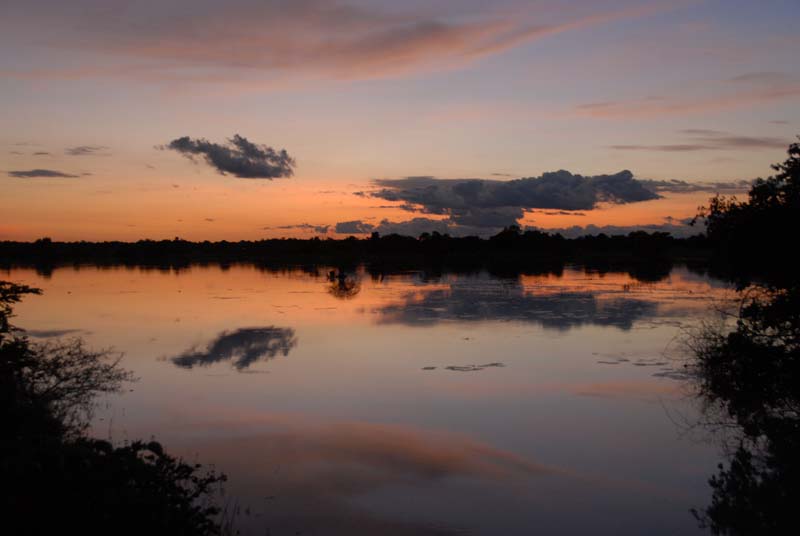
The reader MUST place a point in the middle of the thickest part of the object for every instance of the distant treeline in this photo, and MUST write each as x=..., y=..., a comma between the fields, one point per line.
x=510, y=249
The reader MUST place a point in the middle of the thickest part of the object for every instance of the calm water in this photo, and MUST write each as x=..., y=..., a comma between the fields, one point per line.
x=406, y=404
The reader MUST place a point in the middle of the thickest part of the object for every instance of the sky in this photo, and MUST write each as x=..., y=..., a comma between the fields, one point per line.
x=254, y=119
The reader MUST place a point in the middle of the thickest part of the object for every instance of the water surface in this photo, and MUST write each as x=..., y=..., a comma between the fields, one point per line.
x=407, y=403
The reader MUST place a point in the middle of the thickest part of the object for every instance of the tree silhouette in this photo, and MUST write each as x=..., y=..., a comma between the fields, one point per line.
x=752, y=236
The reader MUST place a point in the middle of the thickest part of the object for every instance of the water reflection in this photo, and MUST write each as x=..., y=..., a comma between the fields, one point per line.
x=484, y=298
x=343, y=285
x=243, y=347
x=749, y=381
x=393, y=429
x=467, y=368
x=305, y=476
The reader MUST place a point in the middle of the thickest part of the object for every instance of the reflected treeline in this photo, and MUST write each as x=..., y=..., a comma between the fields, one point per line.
x=487, y=298
x=749, y=380
x=242, y=347
x=647, y=254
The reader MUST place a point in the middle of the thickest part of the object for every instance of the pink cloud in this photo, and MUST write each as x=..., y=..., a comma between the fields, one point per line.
x=308, y=39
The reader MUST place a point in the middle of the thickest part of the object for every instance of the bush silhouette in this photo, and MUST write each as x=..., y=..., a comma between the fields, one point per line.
x=56, y=479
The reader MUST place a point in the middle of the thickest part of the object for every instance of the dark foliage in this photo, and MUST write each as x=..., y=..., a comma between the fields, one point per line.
x=512, y=251
x=749, y=376
x=55, y=478
x=750, y=381
x=751, y=237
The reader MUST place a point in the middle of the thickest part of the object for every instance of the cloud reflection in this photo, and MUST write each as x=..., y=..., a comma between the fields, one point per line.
x=313, y=473
x=243, y=347
x=484, y=298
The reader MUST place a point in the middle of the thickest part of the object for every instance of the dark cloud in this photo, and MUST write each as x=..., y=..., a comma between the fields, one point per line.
x=555, y=190
x=18, y=153
x=321, y=229
x=710, y=140
x=41, y=153
x=559, y=212
x=779, y=122
x=417, y=226
x=354, y=227
x=43, y=173
x=673, y=148
x=243, y=347
x=87, y=150
x=50, y=333
x=676, y=186
x=239, y=157
x=485, y=205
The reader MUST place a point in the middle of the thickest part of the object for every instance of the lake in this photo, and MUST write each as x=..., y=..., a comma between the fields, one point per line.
x=410, y=403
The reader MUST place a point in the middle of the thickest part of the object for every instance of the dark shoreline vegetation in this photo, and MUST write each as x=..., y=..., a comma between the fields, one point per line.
x=59, y=479
x=509, y=253
x=747, y=377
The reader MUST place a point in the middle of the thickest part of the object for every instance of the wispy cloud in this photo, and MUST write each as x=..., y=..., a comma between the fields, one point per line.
x=325, y=39
x=678, y=186
x=41, y=173
x=763, y=77
x=746, y=90
x=87, y=150
x=321, y=229
x=711, y=140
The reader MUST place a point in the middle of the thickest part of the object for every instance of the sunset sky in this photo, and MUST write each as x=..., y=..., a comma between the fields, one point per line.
x=119, y=117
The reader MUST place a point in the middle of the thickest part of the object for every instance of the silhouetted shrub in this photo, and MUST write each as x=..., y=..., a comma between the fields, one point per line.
x=749, y=379
x=56, y=479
